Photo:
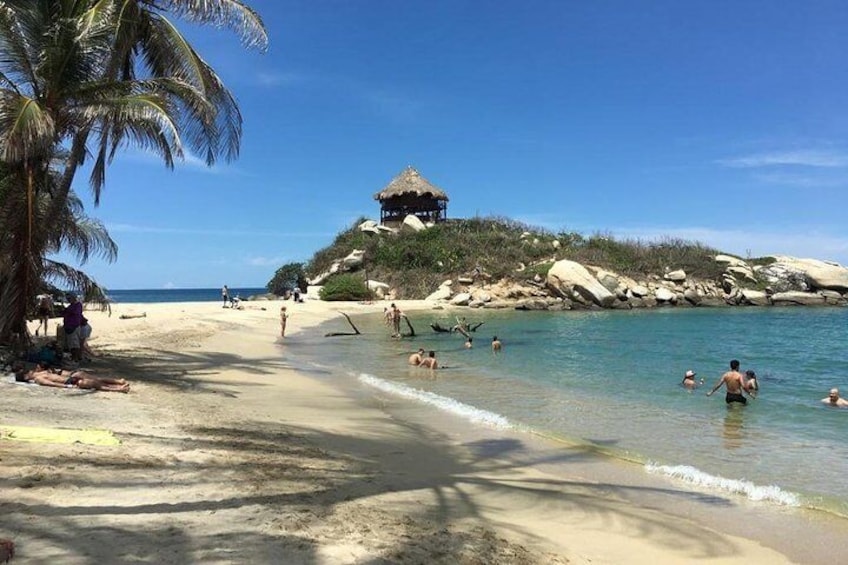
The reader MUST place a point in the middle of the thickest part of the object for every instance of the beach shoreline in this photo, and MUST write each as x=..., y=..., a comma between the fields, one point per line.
x=231, y=454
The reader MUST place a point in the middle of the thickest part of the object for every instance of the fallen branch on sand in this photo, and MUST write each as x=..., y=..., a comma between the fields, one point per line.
x=131, y=316
x=355, y=329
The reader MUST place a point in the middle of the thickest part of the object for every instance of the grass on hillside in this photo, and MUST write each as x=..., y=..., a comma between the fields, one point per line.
x=416, y=263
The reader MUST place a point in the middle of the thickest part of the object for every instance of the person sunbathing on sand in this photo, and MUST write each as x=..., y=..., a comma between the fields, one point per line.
x=68, y=379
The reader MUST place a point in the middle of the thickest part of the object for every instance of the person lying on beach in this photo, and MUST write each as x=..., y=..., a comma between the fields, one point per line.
x=833, y=399
x=735, y=383
x=429, y=362
x=417, y=357
x=69, y=379
x=131, y=316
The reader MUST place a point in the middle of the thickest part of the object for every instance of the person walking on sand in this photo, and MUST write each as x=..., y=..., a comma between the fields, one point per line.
x=734, y=382
x=283, y=319
x=430, y=362
x=417, y=357
x=496, y=345
x=44, y=309
x=225, y=294
x=834, y=400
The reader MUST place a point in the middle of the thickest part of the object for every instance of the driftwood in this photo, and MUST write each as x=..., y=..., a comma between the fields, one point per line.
x=131, y=316
x=355, y=329
x=409, y=325
x=457, y=328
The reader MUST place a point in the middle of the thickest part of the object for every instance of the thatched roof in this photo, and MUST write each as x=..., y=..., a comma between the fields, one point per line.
x=410, y=181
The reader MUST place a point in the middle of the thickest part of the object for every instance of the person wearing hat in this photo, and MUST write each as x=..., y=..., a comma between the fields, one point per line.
x=689, y=379
x=833, y=399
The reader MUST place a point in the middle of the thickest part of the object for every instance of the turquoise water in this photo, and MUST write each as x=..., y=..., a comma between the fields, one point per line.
x=612, y=379
x=178, y=294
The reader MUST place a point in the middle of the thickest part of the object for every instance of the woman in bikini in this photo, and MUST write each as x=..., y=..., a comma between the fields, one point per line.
x=68, y=379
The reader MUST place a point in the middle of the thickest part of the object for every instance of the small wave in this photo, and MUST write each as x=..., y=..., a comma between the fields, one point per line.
x=696, y=477
x=466, y=411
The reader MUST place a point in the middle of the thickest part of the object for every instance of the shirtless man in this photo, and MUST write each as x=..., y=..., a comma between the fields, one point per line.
x=735, y=383
x=68, y=379
x=469, y=343
x=396, y=316
x=833, y=399
x=429, y=362
x=496, y=345
x=417, y=357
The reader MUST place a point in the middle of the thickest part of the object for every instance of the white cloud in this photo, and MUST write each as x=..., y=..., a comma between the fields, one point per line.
x=265, y=261
x=169, y=285
x=804, y=158
x=275, y=78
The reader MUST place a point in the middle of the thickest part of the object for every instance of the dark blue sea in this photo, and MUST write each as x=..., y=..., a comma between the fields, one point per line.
x=148, y=295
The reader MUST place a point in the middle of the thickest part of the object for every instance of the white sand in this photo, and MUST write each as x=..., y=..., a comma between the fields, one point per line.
x=231, y=456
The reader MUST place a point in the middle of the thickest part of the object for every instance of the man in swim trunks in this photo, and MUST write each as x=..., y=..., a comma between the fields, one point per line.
x=735, y=383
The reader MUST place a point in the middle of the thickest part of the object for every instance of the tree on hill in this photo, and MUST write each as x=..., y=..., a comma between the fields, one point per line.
x=84, y=78
x=287, y=278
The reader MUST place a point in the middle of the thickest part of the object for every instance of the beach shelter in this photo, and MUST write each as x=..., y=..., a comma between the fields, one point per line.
x=410, y=193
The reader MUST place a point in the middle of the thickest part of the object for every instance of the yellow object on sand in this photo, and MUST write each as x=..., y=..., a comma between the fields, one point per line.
x=58, y=435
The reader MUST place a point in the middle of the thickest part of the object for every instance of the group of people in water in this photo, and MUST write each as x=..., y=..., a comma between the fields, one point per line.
x=738, y=384
x=428, y=360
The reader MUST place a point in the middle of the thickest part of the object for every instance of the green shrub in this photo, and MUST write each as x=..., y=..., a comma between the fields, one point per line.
x=344, y=287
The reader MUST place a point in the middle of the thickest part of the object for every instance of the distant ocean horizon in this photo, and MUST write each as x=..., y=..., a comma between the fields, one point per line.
x=150, y=295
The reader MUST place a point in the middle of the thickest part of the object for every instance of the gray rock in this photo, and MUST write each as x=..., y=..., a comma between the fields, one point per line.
x=412, y=223
x=731, y=261
x=461, y=299
x=797, y=298
x=754, y=297
x=692, y=297
x=639, y=291
x=498, y=304
x=443, y=293
x=665, y=295
x=676, y=276
x=532, y=304
x=570, y=279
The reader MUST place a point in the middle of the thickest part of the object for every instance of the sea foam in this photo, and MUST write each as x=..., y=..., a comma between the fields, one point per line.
x=470, y=413
x=748, y=489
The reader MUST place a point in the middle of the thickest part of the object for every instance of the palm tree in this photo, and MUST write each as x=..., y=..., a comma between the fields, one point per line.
x=85, y=77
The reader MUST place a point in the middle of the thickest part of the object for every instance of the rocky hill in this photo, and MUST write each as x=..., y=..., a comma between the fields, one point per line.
x=499, y=263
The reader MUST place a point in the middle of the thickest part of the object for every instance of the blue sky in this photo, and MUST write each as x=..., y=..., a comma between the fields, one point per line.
x=721, y=122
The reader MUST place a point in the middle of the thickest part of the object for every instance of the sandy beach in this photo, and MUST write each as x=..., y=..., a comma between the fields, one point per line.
x=229, y=453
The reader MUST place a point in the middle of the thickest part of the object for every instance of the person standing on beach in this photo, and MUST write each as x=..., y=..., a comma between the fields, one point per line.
x=496, y=345
x=225, y=294
x=44, y=310
x=283, y=319
x=734, y=381
x=833, y=399
x=71, y=322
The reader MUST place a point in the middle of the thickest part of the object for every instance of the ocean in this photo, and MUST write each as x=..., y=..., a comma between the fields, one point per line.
x=611, y=379
x=178, y=294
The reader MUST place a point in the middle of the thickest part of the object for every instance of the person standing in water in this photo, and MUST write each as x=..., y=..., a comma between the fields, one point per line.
x=734, y=381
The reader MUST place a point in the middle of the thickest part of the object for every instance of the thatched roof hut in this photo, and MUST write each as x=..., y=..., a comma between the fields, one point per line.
x=410, y=193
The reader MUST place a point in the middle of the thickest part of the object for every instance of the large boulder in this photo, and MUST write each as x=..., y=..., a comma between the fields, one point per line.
x=570, y=279
x=353, y=260
x=665, y=295
x=730, y=261
x=461, y=299
x=412, y=223
x=796, y=298
x=819, y=275
x=380, y=289
x=754, y=297
x=676, y=276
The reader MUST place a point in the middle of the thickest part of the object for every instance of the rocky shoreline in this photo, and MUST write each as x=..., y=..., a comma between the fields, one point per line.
x=784, y=281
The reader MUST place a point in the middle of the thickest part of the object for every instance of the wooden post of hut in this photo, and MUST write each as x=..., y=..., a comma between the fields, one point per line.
x=411, y=194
